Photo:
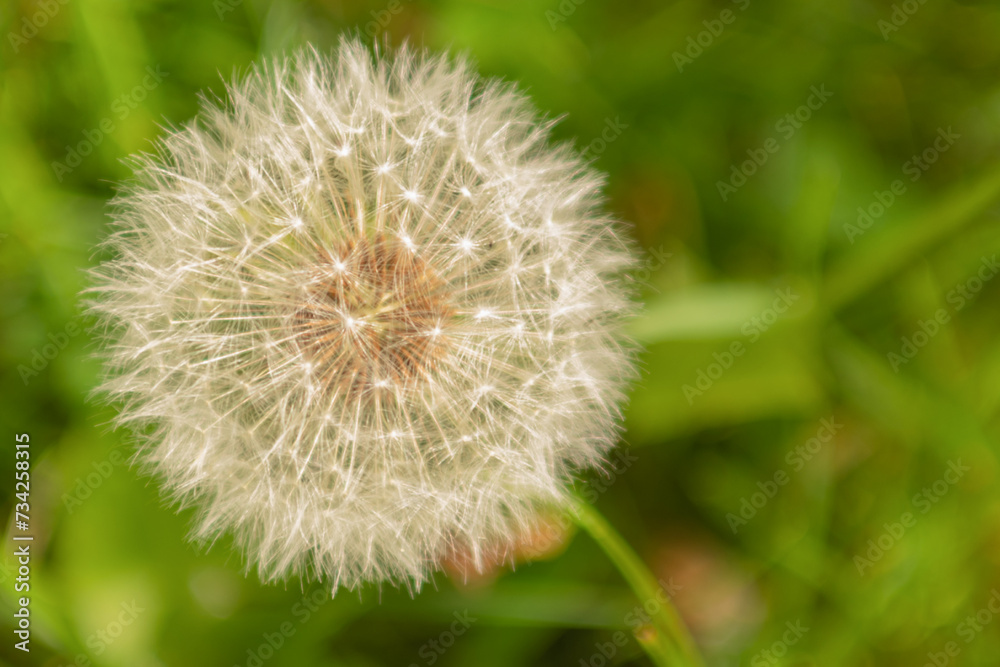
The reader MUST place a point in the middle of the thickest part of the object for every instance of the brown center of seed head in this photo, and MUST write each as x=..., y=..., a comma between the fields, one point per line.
x=375, y=320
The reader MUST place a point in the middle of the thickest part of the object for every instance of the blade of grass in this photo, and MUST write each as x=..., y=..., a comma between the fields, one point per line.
x=889, y=249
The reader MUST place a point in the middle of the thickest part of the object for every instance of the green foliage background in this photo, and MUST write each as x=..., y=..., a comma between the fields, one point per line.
x=699, y=457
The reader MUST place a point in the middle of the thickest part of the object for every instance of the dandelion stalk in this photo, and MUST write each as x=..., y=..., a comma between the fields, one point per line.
x=670, y=645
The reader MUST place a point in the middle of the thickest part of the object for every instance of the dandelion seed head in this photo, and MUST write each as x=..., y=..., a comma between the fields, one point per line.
x=332, y=348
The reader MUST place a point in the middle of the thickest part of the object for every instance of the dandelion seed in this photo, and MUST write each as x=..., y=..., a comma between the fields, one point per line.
x=328, y=372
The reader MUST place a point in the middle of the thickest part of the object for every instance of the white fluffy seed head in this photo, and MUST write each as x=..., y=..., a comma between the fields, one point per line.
x=363, y=315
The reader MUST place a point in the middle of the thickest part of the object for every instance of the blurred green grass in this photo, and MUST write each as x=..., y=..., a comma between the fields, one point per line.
x=699, y=456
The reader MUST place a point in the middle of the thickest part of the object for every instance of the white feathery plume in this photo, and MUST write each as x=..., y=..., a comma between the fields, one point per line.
x=363, y=315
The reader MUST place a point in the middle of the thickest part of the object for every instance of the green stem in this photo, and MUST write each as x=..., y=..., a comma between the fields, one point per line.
x=669, y=643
